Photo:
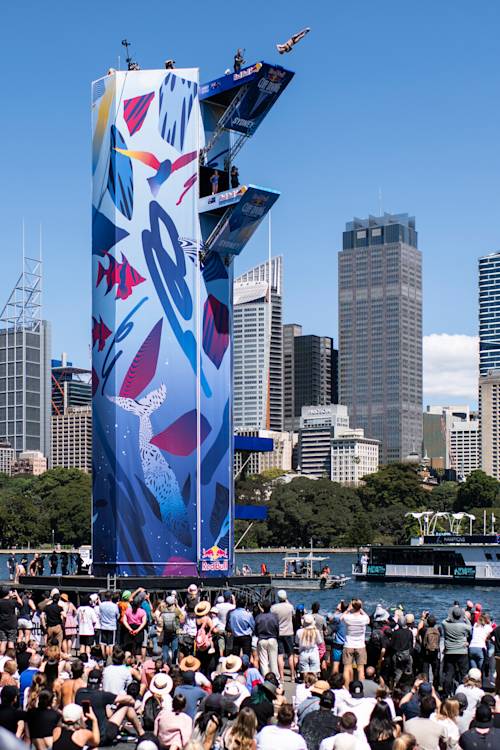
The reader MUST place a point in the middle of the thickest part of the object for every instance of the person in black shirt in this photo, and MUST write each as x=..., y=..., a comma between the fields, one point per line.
x=41, y=565
x=42, y=720
x=64, y=563
x=8, y=618
x=318, y=725
x=401, y=648
x=52, y=620
x=53, y=563
x=109, y=719
x=10, y=713
x=11, y=564
x=494, y=636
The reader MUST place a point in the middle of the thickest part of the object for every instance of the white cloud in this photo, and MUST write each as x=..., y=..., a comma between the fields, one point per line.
x=450, y=368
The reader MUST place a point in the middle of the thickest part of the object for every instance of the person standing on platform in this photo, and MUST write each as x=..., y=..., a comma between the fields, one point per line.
x=456, y=630
x=64, y=563
x=235, y=177
x=11, y=565
x=41, y=565
x=53, y=560
x=33, y=566
x=284, y=611
x=214, y=181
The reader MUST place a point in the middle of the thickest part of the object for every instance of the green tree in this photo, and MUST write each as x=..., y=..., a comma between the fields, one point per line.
x=478, y=491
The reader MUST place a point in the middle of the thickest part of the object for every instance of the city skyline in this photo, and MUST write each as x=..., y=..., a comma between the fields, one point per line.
x=46, y=180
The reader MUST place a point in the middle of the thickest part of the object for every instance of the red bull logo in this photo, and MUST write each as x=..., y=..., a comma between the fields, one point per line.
x=214, y=553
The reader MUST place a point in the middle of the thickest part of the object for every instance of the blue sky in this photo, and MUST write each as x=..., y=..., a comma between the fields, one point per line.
x=392, y=96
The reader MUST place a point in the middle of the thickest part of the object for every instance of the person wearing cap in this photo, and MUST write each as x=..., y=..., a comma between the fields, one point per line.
x=482, y=733
x=430, y=734
x=193, y=595
x=409, y=705
x=358, y=704
x=356, y=621
x=320, y=723
x=472, y=689
x=311, y=702
x=401, y=645
x=72, y=732
x=456, y=631
x=267, y=629
x=111, y=710
x=284, y=611
x=429, y=636
x=241, y=624
x=307, y=639
x=281, y=735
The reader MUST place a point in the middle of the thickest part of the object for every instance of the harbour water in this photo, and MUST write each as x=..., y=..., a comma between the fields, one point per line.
x=413, y=597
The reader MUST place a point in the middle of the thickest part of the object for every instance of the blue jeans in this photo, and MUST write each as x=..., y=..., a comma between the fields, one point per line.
x=476, y=657
x=170, y=649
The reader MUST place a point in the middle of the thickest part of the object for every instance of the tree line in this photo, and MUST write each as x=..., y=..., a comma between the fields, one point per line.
x=298, y=511
x=336, y=516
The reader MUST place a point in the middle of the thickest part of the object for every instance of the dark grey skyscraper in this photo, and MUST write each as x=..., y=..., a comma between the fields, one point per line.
x=310, y=373
x=380, y=331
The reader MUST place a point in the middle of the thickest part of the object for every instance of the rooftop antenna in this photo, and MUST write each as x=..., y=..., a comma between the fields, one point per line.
x=131, y=64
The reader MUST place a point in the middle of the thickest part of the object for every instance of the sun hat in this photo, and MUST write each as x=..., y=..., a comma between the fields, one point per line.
x=65, y=597
x=190, y=664
x=270, y=688
x=319, y=687
x=308, y=621
x=126, y=595
x=161, y=684
x=482, y=719
x=234, y=692
x=356, y=689
x=193, y=588
x=54, y=592
x=94, y=598
x=282, y=595
x=475, y=674
x=214, y=610
x=72, y=713
x=202, y=609
x=380, y=614
x=231, y=664
x=410, y=618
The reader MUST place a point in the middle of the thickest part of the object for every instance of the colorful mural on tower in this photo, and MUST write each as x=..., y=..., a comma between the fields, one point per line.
x=161, y=376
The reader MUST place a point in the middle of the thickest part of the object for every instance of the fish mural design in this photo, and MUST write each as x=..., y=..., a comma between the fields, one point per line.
x=159, y=477
x=122, y=274
x=163, y=169
x=100, y=332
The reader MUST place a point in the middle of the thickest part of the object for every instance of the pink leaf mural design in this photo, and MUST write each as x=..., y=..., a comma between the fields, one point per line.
x=179, y=438
x=143, y=367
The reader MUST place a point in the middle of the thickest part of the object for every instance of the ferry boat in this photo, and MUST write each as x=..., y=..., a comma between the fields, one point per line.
x=439, y=558
x=299, y=573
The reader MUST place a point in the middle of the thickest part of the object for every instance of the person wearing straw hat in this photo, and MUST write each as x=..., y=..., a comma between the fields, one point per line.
x=72, y=732
x=204, y=645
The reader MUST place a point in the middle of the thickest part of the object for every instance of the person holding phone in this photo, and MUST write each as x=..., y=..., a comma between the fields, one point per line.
x=73, y=733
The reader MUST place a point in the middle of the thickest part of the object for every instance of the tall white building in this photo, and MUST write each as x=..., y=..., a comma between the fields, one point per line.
x=328, y=447
x=489, y=412
x=72, y=438
x=452, y=439
x=353, y=457
x=258, y=348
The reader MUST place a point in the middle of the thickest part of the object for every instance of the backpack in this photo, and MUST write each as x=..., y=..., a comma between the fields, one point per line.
x=170, y=623
x=151, y=710
x=203, y=639
x=431, y=639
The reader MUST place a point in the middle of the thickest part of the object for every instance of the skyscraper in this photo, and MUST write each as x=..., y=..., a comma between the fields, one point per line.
x=380, y=331
x=258, y=348
x=489, y=415
x=489, y=313
x=25, y=344
x=310, y=373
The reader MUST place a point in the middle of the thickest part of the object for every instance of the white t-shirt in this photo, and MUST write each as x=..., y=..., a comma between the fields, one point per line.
x=452, y=729
x=479, y=635
x=355, y=629
x=222, y=610
x=87, y=620
x=279, y=738
x=116, y=678
x=341, y=741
